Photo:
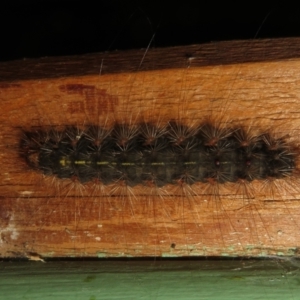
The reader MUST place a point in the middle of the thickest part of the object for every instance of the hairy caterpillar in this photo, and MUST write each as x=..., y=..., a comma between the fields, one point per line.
x=150, y=155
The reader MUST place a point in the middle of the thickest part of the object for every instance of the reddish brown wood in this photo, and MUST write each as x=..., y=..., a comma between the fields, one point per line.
x=221, y=80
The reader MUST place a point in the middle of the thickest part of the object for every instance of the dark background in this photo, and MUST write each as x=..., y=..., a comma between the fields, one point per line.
x=50, y=28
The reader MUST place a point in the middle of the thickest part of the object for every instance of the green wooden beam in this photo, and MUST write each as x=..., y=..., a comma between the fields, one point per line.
x=173, y=279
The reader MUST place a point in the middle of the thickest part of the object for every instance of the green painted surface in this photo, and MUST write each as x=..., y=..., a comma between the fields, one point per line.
x=193, y=279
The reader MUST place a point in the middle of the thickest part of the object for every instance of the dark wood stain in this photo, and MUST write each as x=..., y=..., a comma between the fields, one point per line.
x=95, y=100
x=75, y=88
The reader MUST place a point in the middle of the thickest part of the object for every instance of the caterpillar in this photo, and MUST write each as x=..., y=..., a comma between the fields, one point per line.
x=150, y=155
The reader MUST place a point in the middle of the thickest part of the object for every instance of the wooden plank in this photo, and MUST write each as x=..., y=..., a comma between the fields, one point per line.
x=62, y=218
x=193, y=279
x=212, y=54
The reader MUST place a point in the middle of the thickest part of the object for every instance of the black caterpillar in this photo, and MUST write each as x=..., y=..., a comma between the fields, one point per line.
x=151, y=155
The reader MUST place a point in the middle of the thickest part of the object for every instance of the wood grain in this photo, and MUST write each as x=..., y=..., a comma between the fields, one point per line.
x=252, y=83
